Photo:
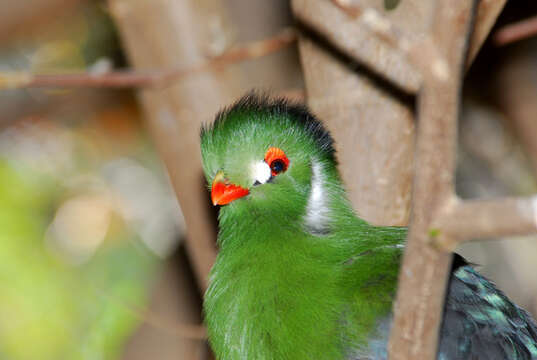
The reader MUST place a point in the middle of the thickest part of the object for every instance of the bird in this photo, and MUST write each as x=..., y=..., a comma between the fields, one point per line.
x=299, y=275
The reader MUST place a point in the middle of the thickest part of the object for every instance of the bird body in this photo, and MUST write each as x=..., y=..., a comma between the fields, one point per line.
x=298, y=274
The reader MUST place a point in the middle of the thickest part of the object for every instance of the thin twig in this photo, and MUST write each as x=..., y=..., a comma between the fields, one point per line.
x=155, y=78
x=116, y=79
x=515, y=32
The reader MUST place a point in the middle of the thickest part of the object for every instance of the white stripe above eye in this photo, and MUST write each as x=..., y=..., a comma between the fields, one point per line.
x=261, y=172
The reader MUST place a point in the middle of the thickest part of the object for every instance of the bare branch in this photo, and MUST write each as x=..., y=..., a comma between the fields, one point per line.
x=418, y=50
x=361, y=116
x=368, y=36
x=123, y=79
x=155, y=78
x=515, y=32
x=158, y=34
x=378, y=24
x=479, y=219
x=425, y=270
x=365, y=35
x=487, y=13
x=382, y=28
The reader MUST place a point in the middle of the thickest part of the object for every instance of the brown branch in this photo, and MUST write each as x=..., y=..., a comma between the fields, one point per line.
x=382, y=28
x=158, y=34
x=515, y=32
x=127, y=79
x=480, y=219
x=425, y=270
x=256, y=49
x=420, y=52
x=487, y=13
x=369, y=33
x=119, y=79
x=378, y=24
x=363, y=34
x=361, y=117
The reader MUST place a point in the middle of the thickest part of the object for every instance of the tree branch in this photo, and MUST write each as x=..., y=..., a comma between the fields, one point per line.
x=363, y=34
x=515, y=32
x=486, y=15
x=425, y=270
x=155, y=78
x=374, y=131
x=379, y=26
x=371, y=38
x=479, y=219
x=117, y=79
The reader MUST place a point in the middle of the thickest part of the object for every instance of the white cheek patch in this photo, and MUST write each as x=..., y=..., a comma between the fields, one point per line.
x=317, y=211
x=261, y=172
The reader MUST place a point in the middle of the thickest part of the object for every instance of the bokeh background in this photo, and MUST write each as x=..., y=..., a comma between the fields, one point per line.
x=92, y=258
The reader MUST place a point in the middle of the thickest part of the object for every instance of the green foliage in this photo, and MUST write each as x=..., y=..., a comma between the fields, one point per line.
x=53, y=310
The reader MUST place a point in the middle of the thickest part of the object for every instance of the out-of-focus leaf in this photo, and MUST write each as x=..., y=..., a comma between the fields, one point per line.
x=50, y=309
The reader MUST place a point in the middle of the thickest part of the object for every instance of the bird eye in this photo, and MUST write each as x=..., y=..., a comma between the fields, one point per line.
x=277, y=166
x=277, y=160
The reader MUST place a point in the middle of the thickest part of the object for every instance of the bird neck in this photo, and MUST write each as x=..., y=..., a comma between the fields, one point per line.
x=289, y=282
x=283, y=267
x=277, y=279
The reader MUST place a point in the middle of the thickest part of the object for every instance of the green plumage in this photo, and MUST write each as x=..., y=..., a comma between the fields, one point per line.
x=298, y=274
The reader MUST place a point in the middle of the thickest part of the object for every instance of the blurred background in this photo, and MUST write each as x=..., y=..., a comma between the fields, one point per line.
x=93, y=262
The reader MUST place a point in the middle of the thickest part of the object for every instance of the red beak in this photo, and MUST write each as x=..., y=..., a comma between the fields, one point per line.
x=223, y=193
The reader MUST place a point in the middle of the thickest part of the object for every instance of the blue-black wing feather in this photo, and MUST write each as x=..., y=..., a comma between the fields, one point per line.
x=480, y=322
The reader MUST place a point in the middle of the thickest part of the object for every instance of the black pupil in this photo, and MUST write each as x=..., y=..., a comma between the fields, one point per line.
x=277, y=166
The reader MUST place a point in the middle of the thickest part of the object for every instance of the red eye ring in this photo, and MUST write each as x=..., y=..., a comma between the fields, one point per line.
x=276, y=160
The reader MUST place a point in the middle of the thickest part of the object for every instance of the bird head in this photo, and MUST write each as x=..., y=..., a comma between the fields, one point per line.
x=261, y=154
